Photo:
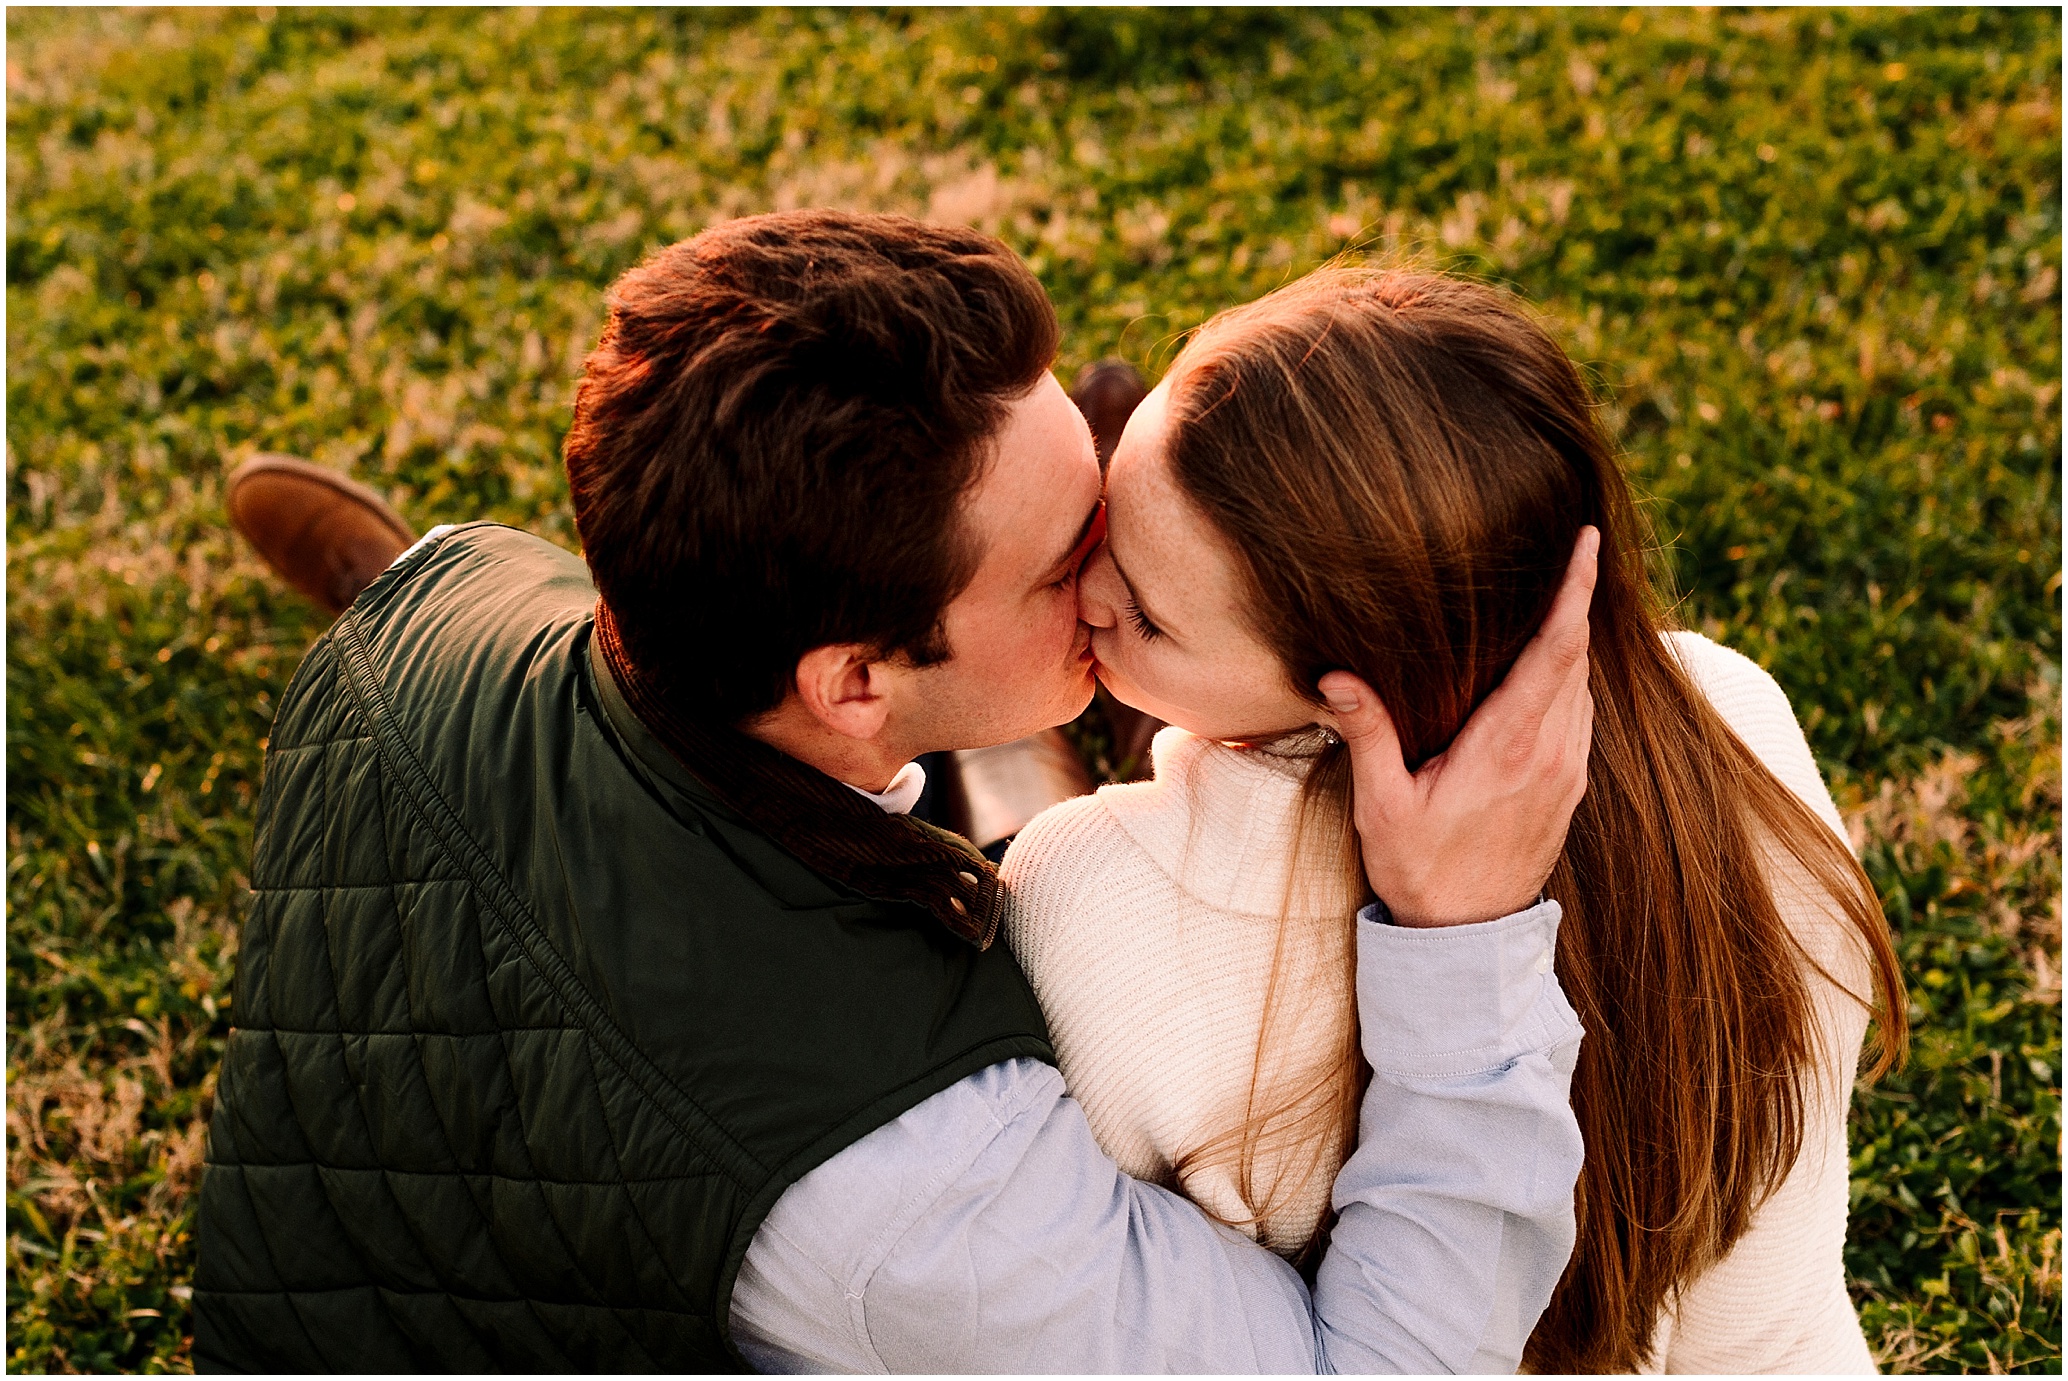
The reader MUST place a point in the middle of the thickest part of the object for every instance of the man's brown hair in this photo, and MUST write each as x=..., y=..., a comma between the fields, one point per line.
x=772, y=440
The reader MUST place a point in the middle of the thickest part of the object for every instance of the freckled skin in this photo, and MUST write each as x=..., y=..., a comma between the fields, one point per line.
x=1205, y=669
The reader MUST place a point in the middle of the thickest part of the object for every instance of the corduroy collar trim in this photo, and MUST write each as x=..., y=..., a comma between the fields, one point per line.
x=828, y=827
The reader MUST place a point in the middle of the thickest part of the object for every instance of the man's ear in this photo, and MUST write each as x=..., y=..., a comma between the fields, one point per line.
x=843, y=688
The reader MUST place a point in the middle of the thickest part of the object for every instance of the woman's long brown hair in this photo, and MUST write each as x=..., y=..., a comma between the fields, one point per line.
x=1403, y=461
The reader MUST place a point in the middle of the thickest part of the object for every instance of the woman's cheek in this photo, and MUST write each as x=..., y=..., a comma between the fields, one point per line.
x=1119, y=658
x=1158, y=675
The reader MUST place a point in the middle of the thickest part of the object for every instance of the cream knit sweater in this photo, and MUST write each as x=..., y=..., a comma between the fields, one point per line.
x=1146, y=919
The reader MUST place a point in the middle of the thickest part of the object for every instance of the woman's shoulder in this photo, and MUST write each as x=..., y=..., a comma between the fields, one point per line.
x=1070, y=837
x=1740, y=688
x=1757, y=710
x=1068, y=855
x=1087, y=909
x=1755, y=707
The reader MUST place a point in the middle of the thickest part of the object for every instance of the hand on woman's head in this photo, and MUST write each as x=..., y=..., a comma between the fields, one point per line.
x=1165, y=601
x=1379, y=474
x=1473, y=834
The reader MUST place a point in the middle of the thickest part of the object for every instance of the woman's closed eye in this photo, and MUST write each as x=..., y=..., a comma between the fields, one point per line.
x=1149, y=631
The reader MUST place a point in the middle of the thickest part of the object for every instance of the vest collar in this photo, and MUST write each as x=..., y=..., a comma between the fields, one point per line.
x=830, y=828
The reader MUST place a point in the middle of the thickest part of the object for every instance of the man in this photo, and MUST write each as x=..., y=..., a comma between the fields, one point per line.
x=598, y=1008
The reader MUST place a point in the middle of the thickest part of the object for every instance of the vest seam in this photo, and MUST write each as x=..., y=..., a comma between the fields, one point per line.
x=308, y=1338
x=653, y=1365
x=509, y=911
x=409, y=1226
x=451, y=1154
x=345, y=1059
x=474, y=1334
x=352, y=1067
x=352, y=1061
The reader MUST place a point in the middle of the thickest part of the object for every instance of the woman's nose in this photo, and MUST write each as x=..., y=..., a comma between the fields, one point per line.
x=1096, y=583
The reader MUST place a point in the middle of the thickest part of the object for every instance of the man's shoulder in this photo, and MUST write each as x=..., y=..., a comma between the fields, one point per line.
x=476, y=572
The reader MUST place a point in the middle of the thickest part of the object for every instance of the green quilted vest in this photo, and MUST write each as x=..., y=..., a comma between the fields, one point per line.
x=531, y=1031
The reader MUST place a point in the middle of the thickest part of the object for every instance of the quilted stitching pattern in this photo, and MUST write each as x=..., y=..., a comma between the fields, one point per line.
x=465, y=1123
x=377, y=999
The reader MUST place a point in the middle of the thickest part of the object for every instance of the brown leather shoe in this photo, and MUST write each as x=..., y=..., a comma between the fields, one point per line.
x=325, y=535
x=1107, y=393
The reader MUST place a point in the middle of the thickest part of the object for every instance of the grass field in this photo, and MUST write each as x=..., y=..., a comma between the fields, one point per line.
x=1812, y=258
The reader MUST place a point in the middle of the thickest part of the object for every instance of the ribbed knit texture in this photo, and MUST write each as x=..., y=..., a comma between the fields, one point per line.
x=1146, y=917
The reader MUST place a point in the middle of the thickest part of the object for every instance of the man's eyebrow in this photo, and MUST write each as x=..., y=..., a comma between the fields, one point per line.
x=1088, y=537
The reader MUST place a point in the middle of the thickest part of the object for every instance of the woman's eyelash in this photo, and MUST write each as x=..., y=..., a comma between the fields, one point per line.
x=1149, y=631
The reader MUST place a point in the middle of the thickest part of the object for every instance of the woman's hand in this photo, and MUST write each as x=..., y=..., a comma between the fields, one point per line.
x=1473, y=835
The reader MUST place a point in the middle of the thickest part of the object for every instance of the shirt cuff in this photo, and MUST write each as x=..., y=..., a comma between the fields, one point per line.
x=1454, y=1001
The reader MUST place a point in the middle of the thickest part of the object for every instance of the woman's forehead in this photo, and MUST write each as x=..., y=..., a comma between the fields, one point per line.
x=1170, y=551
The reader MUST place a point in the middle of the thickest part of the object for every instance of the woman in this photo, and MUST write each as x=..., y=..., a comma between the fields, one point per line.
x=1384, y=472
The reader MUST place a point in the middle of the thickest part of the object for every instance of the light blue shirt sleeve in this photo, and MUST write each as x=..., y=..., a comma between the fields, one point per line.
x=985, y=1231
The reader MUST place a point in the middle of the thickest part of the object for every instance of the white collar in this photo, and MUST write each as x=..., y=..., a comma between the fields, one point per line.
x=901, y=795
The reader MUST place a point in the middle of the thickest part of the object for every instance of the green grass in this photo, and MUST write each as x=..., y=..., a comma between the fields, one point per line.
x=1812, y=258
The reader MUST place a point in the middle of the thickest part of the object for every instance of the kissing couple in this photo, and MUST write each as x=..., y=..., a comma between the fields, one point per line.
x=601, y=1005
